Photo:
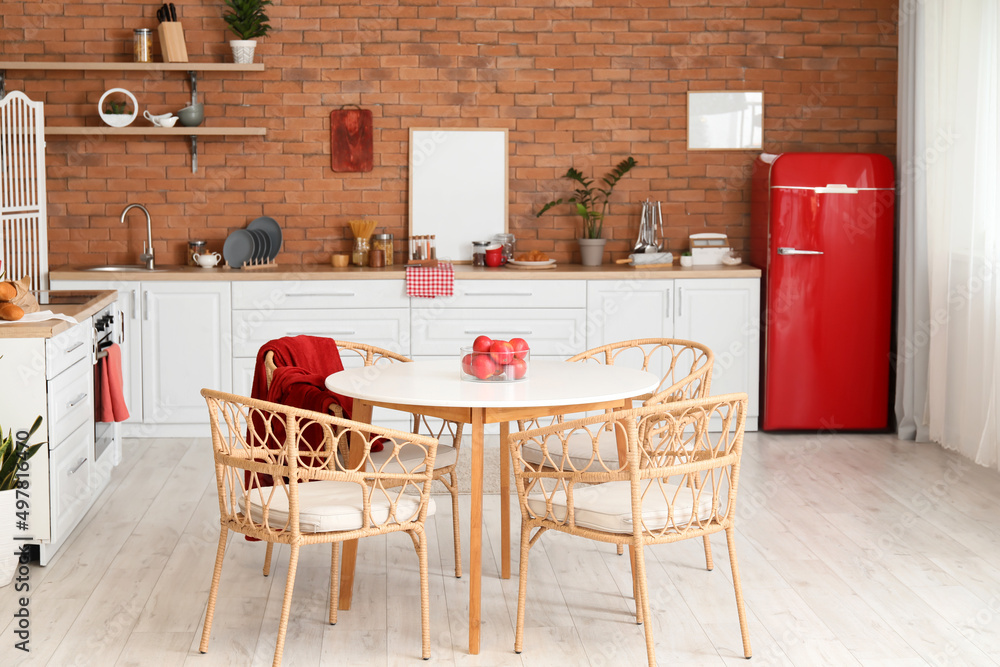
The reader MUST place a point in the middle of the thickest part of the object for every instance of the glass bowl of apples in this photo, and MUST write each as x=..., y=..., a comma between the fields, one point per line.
x=490, y=360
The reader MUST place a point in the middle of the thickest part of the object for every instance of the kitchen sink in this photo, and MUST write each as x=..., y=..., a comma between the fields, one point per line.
x=119, y=268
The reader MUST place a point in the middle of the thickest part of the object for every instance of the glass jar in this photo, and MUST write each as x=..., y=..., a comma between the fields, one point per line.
x=142, y=45
x=359, y=256
x=195, y=247
x=507, y=241
x=383, y=242
x=479, y=252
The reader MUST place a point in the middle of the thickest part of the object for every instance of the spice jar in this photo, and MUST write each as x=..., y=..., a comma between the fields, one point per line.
x=383, y=242
x=142, y=45
x=479, y=252
x=376, y=258
x=359, y=256
x=195, y=247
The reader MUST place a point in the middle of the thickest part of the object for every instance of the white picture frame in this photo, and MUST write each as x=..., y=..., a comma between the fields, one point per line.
x=725, y=120
x=458, y=187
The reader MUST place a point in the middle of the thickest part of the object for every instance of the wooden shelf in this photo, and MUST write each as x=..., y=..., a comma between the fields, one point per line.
x=156, y=131
x=129, y=67
x=139, y=130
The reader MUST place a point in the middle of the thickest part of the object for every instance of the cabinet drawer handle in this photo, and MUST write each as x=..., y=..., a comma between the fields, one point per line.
x=77, y=467
x=497, y=294
x=78, y=345
x=135, y=311
x=522, y=332
x=76, y=401
x=145, y=305
x=345, y=294
x=680, y=301
x=322, y=333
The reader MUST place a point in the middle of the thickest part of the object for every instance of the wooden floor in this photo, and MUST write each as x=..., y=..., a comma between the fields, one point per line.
x=854, y=550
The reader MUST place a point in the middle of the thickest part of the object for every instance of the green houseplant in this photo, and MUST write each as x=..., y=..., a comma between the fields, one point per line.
x=248, y=20
x=14, y=451
x=590, y=201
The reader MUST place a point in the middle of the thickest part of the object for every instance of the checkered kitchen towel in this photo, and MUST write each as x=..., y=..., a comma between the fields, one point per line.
x=430, y=281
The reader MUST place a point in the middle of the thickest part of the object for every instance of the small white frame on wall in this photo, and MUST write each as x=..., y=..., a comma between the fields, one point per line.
x=458, y=187
x=725, y=120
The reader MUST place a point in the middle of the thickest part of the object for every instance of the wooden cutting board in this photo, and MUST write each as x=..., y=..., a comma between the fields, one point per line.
x=351, y=142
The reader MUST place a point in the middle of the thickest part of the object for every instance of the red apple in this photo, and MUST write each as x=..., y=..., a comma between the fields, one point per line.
x=518, y=367
x=482, y=344
x=502, y=352
x=483, y=366
x=520, y=347
x=467, y=364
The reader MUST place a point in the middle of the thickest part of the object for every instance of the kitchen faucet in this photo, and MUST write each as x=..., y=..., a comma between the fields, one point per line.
x=147, y=246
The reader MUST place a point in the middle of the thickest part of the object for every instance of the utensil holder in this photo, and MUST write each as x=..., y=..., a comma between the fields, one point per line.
x=172, y=42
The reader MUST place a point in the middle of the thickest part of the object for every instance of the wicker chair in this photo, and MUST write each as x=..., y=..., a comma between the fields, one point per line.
x=447, y=458
x=687, y=373
x=679, y=481
x=339, y=503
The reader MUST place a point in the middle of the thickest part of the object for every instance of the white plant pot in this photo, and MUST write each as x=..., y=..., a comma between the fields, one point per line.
x=243, y=50
x=118, y=119
x=8, y=551
x=592, y=251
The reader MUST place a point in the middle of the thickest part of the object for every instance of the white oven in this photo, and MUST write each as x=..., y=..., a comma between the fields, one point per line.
x=108, y=329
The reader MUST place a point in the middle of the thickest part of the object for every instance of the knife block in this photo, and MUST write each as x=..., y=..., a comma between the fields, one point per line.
x=172, y=42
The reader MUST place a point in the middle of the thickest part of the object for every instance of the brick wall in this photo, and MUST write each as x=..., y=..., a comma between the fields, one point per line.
x=579, y=83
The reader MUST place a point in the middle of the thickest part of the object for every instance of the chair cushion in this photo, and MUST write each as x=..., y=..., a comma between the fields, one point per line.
x=412, y=459
x=608, y=507
x=579, y=449
x=329, y=506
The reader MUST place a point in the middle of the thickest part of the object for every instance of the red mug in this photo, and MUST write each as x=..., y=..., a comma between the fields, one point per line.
x=494, y=255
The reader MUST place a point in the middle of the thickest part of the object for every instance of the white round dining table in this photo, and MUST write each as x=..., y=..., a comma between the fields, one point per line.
x=436, y=388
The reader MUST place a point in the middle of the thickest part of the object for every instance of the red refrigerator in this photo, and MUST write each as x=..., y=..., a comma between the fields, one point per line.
x=822, y=234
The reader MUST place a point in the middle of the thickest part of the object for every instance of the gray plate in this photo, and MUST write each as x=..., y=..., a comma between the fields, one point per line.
x=270, y=227
x=238, y=248
x=262, y=247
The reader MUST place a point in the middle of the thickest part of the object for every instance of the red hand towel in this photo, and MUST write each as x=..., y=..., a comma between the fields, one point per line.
x=110, y=404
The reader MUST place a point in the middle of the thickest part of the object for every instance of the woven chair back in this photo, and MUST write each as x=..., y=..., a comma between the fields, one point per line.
x=254, y=439
x=682, y=476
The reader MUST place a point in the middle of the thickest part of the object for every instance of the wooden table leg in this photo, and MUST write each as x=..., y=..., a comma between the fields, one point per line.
x=476, y=532
x=362, y=412
x=622, y=439
x=504, y=501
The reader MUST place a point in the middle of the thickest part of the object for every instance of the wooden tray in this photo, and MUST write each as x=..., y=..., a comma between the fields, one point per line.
x=529, y=268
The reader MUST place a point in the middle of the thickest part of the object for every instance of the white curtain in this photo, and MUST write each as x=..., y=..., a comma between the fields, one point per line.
x=956, y=146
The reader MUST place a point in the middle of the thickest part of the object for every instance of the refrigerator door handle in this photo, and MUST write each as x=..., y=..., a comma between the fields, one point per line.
x=836, y=189
x=796, y=251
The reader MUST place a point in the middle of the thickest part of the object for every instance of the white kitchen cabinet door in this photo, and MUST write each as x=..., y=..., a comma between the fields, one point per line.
x=128, y=303
x=620, y=310
x=724, y=313
x=186, y=346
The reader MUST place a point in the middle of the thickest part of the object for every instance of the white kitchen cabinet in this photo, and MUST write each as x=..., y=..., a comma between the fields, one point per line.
x=724, y=315
x=186, y=346
x=721, y=313
x=53, y=378
x=128, y=304
x=375, y=312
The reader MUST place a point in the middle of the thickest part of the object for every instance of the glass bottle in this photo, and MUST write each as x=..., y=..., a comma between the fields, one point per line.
x=383, y=242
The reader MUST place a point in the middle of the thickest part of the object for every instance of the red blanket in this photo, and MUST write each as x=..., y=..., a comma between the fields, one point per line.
x=315, y=355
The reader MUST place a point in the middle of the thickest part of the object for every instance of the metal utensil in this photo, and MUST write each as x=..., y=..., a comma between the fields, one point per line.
x=640, y=243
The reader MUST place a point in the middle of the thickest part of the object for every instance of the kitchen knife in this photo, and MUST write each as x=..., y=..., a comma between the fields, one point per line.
x=173, y=12
x=166, y=12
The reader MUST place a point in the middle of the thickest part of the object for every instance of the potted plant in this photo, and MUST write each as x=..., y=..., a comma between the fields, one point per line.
x=117, y=107
x=591, y=203
x=248, y=20
x=14, y=452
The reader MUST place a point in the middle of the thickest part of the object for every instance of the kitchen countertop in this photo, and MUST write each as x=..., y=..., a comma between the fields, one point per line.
x=462, y=272
x=77, y=304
